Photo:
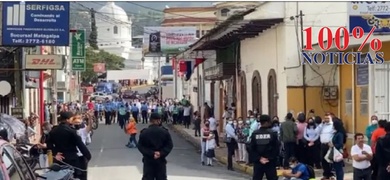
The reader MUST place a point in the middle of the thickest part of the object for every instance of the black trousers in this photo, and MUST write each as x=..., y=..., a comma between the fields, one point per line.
x=375, y=167
x=382, y=173
x=216, y=136
x=175, y=117
x=108, y=117
x=268, y=169
x=154, y=171
x=187, y=121
x=362, y=174
x=144, y=116
x=327, y=168
x=135, y=116
x=231, y=147
x=113, y=116
x=312, y=155
x=289, y=151
x=121, y=120
x=82, y=175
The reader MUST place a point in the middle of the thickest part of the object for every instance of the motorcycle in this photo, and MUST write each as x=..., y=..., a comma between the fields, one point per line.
x=55, y=172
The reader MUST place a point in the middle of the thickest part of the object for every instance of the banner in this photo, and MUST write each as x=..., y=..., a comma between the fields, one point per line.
x=167, y=40
x=78, y=50
x=99, y=67
x=369, y=14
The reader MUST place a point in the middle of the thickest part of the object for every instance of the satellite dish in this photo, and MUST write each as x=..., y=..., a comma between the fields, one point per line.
x=5, y=88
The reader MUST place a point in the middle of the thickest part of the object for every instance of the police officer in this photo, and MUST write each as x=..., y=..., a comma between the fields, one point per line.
x=63, y=141
x=265, y=148
x=155, y=144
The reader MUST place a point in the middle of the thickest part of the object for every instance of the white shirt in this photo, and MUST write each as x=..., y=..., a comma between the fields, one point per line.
x=356, y=150
x=84, y=135
x=326, y=132
x=213, y=124
x=210, y=144
x=186, y=111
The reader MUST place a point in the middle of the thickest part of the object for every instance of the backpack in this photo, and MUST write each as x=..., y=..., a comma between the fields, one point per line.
x=310, y=170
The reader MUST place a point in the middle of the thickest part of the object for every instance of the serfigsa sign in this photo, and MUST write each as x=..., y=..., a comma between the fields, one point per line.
x=366, y=20
x=35, y=23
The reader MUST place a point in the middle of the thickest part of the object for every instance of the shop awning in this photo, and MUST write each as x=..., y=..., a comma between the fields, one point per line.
x=239, y=31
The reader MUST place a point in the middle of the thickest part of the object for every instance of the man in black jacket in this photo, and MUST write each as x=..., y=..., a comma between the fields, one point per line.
x=155, y=144
x=382, y=155
x=63, y=141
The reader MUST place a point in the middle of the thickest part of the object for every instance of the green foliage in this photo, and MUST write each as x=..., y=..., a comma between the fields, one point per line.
x=113, y=62
x=93, y=36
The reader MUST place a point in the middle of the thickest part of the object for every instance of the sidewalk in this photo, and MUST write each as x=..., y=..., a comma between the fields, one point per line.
x=221, y=153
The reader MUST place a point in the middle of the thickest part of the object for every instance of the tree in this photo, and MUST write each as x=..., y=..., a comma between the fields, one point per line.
x=112, y=61
x=93, y=36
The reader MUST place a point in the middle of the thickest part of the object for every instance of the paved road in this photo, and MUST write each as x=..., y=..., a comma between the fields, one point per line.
x=112, y=160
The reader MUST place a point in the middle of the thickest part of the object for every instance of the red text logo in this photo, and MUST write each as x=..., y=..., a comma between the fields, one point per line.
x=340, y=40
x=43, y=61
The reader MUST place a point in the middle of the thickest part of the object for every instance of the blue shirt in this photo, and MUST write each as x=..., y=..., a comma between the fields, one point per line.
x=134, y=109
x=144, y=107
x=303, y=169
x=99, y=107
x=109, y=106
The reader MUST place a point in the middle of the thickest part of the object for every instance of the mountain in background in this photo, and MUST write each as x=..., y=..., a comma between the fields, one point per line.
x=142, y=13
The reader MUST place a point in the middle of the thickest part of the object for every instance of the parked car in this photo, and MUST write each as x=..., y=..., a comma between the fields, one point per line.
x=100, y=95
x=13, y=165
x=127, y=94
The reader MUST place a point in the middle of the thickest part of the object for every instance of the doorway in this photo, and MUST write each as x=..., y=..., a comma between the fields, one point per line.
x=256, y=92
x=272, y=94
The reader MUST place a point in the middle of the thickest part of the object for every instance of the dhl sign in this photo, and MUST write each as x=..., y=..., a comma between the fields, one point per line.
x=42, y=62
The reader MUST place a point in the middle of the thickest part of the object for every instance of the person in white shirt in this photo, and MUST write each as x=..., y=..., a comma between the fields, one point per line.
x=231, y=143
x=361, y=156
x=210, y=146
x=326, y=131
x=213, y=128
x=187, y=116
x=312, y=148
x=83, y=130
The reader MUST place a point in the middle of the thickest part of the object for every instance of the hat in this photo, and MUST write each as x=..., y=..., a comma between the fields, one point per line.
x=155, y=116
x=66, y=115
x=264, y=118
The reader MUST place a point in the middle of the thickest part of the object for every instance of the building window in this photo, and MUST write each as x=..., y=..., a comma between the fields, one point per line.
x=203, y=32
x=197, y=33
x=115, y=29
x=348, y=101
x=224, y=12
x=364, y=100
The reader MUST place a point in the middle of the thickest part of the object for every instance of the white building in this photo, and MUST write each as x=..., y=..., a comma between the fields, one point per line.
x=115, y=35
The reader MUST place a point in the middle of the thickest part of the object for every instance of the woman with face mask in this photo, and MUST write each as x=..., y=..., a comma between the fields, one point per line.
x=83, y=131
x=371, y=128
x=241, y=141
x=42, y=148
x=312, y=149
x=205, y=133
x=231, y=142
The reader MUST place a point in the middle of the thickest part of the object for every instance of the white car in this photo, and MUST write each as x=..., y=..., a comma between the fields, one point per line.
x=101, y=96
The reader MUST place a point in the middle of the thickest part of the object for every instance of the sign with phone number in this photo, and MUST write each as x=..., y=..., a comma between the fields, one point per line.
x=34, y=41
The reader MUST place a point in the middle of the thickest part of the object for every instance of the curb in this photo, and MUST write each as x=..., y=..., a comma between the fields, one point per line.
x=196, y=144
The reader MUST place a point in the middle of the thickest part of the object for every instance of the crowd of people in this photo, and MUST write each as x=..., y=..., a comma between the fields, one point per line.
x=302, y=144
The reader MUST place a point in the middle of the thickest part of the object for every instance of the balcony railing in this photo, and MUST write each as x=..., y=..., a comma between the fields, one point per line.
x=220, y=71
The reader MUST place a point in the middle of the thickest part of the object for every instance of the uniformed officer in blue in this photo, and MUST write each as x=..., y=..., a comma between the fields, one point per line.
x=265, y=148
x=108, y=107
x=155, y=144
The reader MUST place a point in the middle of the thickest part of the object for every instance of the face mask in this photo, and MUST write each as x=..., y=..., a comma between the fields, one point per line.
x=230, y=122
x=255, y=112
x=77, y=126
x=207, y=124
x=292, y=166
x=374, y=122
x=235, y=124
x=248, y=122
x=46, y=131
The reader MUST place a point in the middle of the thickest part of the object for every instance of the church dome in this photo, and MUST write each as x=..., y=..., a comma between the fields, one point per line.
x=115, y=12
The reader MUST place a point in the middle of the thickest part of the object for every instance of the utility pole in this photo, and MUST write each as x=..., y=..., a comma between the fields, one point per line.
x=159, y=77
x=303, y=65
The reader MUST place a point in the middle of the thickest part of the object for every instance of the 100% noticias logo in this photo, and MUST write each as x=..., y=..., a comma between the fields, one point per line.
x=341, y=57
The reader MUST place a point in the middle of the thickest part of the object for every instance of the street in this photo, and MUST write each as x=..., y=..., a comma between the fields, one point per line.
x=112, y=160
